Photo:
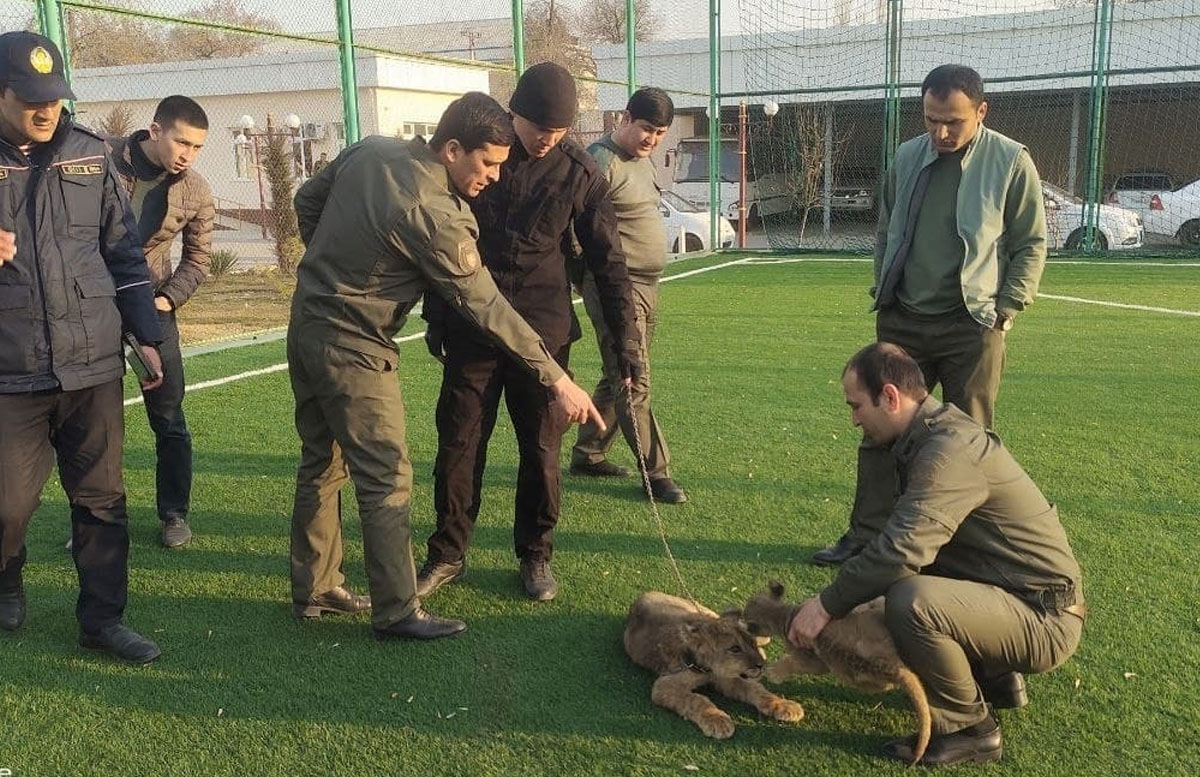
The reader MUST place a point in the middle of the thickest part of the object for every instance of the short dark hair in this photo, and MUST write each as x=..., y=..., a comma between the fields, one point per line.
x=881, y=363
x=474, y=120
x=179, y=108
x=944, y=79
x=653, y=105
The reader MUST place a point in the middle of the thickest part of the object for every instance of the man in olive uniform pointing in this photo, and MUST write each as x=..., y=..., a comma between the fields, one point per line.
x=382, y=223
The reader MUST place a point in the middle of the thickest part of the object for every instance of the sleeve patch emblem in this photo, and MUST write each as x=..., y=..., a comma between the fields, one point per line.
x=468, y=256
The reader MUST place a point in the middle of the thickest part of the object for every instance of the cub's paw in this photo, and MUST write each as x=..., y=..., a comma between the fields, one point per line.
x=783, y=709
x=716, y=724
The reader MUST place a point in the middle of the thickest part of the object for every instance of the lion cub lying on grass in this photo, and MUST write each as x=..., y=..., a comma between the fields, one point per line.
x=857, y=649
x=689, y=646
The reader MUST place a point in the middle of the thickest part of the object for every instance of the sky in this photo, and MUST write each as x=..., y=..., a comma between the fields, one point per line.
x=679, y=18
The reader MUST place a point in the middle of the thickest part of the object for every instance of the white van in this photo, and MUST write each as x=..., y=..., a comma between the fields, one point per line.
x=765, y=195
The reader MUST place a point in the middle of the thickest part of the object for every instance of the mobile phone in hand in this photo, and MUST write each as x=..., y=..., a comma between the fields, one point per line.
x=137, y=362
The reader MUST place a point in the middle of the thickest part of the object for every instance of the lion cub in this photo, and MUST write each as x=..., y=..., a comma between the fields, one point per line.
x=857, y=649
x=689, y=646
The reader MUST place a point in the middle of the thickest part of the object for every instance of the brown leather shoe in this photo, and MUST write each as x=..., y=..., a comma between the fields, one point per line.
x=340, y=601
x=419, y=624
x=979, y=743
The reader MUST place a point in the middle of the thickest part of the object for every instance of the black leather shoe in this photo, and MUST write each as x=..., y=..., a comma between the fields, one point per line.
x=1006, y=691
x=419, y=624
x=435, y=574
x=665, y=490
x=600, y=469
x=121, y=642
x=979, y=743
x=176, y=533
x=538, y=580
x=340, y=600
x=838, y=553
x=12, y=609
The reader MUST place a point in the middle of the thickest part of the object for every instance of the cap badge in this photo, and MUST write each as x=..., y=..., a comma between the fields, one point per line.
x=41, y=60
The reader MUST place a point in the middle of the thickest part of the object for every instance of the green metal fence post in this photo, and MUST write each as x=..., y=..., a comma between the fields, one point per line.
x=1101, y=56
x=891, y=111
x=53, y=25
x=714, y=124
x=631, y=46
x=349, y=75
x=518, y=25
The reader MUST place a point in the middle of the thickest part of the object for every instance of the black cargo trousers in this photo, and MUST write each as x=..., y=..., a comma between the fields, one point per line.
x=85, y=431
x=474, y=377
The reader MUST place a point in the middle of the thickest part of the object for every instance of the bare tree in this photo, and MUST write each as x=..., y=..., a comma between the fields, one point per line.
x=97, y=39
x=550, y=37
x=188, y=42
x=117, y=123
x=603, y=21
x=802, y=129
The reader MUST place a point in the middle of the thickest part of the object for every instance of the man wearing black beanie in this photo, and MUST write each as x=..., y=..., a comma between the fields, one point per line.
x=547, y=187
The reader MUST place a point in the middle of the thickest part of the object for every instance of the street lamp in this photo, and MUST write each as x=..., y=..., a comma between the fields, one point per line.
x=247, y=135
x=294, y=123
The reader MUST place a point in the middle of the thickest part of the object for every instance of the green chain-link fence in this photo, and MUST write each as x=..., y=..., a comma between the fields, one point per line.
x=1105, y=93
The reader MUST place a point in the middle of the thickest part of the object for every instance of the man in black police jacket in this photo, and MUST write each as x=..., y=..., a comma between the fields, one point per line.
x=72, y=275
x=547, y=188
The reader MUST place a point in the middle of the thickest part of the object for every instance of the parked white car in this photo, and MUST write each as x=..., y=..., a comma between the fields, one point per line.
x=1177, y=213
x=1120, y=228
x=687, y=225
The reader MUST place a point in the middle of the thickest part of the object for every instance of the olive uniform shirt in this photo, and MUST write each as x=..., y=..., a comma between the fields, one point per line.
x=967, y=511
x=381, y=225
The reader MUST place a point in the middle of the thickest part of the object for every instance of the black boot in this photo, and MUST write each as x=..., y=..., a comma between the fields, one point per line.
x=838, y=553
x=435, y=574
x=1006, y=691
x=12, y=609
x=979, y=743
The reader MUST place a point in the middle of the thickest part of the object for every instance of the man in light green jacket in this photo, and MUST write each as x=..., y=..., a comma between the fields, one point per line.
x=960, y=249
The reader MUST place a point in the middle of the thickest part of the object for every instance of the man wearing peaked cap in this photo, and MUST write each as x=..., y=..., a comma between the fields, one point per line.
x=60, y=341
x=548, y=187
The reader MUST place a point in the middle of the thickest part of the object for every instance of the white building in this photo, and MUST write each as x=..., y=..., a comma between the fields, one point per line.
x=401, y=97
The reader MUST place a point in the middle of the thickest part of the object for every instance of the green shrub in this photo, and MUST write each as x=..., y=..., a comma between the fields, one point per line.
x=223, y=260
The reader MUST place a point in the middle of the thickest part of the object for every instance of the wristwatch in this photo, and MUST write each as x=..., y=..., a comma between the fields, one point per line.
x=1003, y=322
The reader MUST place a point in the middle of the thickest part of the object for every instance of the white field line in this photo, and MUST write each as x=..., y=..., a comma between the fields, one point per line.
x=407, y=338
x=1124, y=305
x=855, y=260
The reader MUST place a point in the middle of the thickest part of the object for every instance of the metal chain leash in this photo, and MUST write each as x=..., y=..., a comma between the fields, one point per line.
x=645, y=473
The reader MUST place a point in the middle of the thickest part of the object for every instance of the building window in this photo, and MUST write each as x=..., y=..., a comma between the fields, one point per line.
x=410, y=129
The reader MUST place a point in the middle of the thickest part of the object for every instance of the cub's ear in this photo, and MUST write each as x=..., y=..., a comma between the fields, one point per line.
x=776, y=589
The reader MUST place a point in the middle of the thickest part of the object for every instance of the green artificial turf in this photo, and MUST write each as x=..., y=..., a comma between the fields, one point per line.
x=1098, y=403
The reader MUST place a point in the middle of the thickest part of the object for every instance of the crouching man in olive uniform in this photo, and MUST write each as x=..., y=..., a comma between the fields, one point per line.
x=979, y=578
x=384, y=221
